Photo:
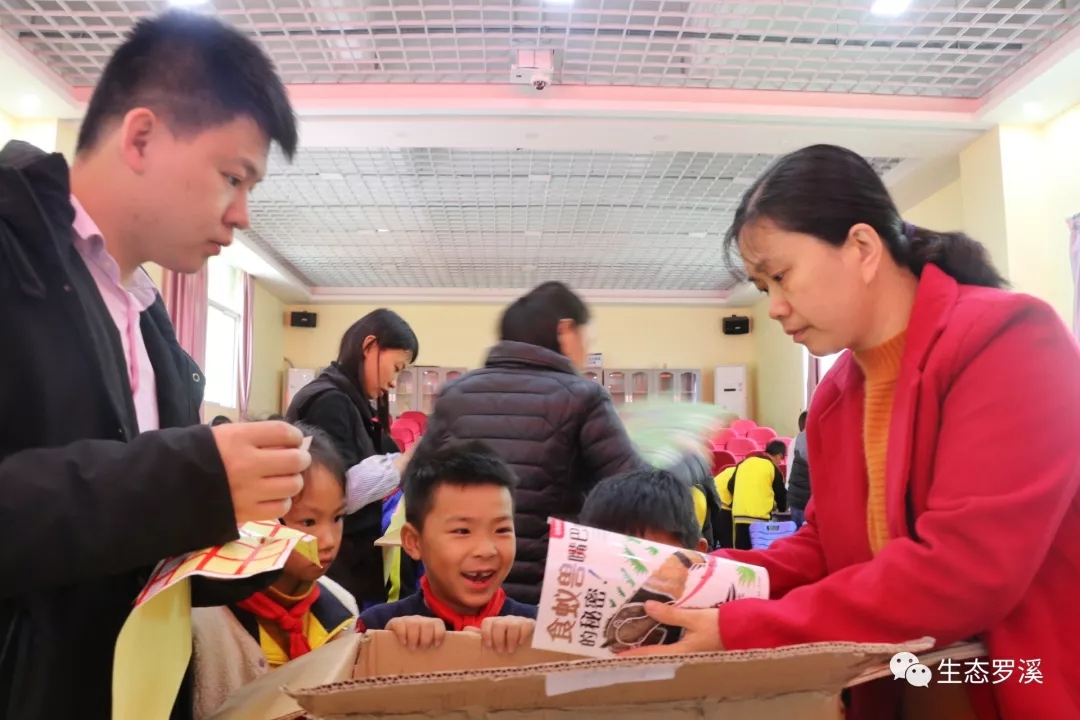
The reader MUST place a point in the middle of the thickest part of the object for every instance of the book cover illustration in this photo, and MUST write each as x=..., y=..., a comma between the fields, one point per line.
x=596, y=585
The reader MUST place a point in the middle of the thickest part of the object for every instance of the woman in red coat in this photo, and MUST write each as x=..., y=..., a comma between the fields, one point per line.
x=945, y=447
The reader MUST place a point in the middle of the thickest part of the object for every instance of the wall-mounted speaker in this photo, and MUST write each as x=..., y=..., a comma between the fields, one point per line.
x=736, y=325
x=302, y=319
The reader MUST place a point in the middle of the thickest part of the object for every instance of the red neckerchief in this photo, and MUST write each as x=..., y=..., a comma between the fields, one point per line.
x=459, y=622
x=290, y=620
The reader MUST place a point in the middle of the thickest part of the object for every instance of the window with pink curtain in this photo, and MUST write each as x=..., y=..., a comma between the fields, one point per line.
x=185, y=298
x=247, y=318
x=1074, y=255
x=225, y=335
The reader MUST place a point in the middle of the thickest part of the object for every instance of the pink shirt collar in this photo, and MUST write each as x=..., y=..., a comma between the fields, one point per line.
x=91, y=245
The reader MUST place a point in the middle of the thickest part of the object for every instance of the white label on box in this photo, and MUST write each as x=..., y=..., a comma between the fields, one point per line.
x=568, y=682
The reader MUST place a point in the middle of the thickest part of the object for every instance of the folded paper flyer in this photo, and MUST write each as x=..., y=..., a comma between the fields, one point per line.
x=154, y=646
x=596, y=584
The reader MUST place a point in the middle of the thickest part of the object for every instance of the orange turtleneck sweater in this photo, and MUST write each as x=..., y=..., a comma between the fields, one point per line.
x=881, y=367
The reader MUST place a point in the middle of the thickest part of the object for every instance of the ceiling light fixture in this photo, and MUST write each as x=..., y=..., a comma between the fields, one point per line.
x=382, y=230
x=187, y=3
x=889, y=8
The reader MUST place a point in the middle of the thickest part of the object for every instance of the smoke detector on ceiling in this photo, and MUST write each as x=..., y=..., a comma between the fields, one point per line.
x=533, y=67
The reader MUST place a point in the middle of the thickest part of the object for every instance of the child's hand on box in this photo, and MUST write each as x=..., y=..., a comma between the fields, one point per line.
x=505, y=634
x=417, y=632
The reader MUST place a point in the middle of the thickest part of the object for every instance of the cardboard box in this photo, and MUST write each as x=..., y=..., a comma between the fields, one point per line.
x=372, y=676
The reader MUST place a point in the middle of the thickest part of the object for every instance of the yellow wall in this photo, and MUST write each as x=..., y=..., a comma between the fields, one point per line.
x=629, y=336
x=268, y=363
x=779, y=381
x=944, y=210
x=7, y=128
x=40, y=133
x=67, y=136
x=1062, y=192
x=983, y=196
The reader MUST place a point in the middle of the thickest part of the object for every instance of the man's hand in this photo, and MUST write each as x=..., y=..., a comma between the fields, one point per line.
x=263, y=461
x=701, y=630
x=505, y=634
x=417, y=632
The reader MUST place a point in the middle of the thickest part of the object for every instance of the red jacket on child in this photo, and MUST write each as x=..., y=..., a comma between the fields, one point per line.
x=983, y=510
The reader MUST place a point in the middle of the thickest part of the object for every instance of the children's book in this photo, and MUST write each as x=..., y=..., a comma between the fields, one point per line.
x=596, y=584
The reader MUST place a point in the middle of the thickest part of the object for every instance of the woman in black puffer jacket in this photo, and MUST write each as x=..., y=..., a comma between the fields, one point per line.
x=558, y=430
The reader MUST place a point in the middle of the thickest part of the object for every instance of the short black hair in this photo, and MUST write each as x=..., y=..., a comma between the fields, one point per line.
x=323, y=452
x=534, y=317
x=197, y=73
x=802, y=421
x=641, y=501
x=220, y=420
x=467, y=464
x=776, y=447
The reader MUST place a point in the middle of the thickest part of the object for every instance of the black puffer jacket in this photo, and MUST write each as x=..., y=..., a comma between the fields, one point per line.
x=798, y=481
x=558, y=430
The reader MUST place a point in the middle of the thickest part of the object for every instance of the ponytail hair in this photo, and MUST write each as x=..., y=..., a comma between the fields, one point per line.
x=961, y=257
x=825, y=190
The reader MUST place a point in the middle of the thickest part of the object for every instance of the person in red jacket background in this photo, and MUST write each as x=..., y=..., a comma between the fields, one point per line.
x=944, y=449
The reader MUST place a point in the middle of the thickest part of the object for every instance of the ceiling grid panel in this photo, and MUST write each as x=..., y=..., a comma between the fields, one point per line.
x=442, y=217
x=938, y=48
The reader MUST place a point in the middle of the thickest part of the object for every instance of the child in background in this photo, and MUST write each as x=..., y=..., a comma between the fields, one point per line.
x=300, y=612
x=751, y=491
x=650, y=504
x=459, y=523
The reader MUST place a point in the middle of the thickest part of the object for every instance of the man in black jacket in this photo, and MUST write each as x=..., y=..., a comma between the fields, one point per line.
x=101, y=474
x=557, y=430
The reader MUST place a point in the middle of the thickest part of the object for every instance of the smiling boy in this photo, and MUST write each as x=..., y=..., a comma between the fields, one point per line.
x=459, y=513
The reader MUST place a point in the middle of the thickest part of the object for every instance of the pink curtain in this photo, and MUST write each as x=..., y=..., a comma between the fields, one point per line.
x=813, y=376
x=186, y=300
x=246, y=348
x=1074, y=254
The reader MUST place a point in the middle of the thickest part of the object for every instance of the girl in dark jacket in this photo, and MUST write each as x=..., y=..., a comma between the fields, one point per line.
x=349, y=401
x=557, y=429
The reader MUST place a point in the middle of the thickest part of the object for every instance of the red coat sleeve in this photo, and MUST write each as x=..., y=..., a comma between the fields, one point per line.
x=792, y=561
x=1007, y=468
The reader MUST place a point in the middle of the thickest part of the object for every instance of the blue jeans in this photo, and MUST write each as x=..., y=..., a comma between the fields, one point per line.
x=798, y=517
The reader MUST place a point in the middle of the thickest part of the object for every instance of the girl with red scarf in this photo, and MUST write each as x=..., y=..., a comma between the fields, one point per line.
x=300, y=612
